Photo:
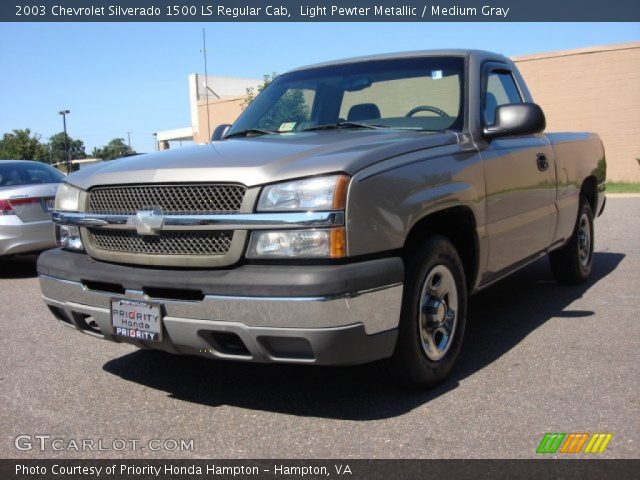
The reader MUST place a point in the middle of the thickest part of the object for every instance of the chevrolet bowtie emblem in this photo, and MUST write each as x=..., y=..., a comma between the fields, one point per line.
x=147, y=222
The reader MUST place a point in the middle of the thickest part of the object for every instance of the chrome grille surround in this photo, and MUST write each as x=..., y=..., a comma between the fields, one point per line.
x=166, y=243
x=185, y=199
x=178, y=248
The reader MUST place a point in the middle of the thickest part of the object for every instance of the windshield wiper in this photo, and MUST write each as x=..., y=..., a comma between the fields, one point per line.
x=250, y=131
x=335, y=126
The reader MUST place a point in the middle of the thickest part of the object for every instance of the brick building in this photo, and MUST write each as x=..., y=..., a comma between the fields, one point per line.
x=596, y=89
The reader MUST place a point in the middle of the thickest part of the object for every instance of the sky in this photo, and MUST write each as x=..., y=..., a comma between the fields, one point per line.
x=132, y=77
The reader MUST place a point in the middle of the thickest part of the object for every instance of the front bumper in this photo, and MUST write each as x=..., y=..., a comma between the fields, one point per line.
x=329, y=314
x=19, y=237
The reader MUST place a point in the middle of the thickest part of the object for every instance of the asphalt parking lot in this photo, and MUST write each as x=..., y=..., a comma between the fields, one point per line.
x=538, y=357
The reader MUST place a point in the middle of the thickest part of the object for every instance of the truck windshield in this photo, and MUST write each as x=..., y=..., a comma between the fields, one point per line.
x=421, y=93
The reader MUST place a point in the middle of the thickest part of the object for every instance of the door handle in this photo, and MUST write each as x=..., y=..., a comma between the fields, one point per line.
x=543, y=163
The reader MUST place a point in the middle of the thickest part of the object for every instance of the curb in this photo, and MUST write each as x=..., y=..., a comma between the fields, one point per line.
x=622, y=195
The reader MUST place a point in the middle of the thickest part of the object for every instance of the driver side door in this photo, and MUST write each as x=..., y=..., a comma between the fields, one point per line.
x=520, y=210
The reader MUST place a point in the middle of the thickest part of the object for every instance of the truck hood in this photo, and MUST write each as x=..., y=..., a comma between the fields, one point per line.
x=257, y=160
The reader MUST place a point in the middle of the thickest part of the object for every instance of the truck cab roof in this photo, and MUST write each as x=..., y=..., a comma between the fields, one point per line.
x=481, y=55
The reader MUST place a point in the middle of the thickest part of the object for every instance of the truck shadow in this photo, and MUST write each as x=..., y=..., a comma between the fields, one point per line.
x=19, y=266
x=500, y=318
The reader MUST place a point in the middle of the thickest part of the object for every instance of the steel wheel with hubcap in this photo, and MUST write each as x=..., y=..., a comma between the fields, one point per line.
x=584, y=239
x=571, y=263
x=433, y=314
x=438, y=309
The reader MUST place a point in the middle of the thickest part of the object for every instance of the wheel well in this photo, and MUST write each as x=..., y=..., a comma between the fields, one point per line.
x=589, y=189
x=459, y=226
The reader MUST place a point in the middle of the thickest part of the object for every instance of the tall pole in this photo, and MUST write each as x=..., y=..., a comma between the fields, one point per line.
x=64, y=114
x=129, y=141
x=206, y=83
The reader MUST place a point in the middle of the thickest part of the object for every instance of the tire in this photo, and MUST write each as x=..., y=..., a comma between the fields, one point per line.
x=434, y=302
x=571, y=264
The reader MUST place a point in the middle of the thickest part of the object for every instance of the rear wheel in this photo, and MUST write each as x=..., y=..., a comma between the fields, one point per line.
x=433, y=315
x=571, y=264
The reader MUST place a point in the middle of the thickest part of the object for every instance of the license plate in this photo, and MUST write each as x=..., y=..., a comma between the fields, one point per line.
x=136, y=320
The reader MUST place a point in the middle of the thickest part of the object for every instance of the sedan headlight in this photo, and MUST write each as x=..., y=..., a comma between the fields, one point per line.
x=316, y=193
x=310, y=243
x=67, y=198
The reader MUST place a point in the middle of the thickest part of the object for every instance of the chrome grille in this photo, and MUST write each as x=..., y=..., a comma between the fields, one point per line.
x=172, y=199
x=167, y=243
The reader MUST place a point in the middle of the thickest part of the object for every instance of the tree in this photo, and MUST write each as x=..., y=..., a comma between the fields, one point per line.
x=289, y=108
x=22, y=145
x=251, y=94
x=57, y=148
x=116, y=148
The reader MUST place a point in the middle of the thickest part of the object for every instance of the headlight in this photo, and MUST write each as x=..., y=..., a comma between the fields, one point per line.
x=68, y=237
x=317, y=193
x=316, y=243
x=67, y=198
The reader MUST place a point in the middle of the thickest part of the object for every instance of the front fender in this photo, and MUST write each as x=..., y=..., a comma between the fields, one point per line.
x=387, y=200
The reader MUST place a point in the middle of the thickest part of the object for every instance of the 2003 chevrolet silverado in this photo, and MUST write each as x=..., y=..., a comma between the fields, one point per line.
x=344, y=218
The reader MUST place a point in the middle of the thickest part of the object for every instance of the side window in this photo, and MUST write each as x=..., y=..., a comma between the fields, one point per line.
x=501, y=90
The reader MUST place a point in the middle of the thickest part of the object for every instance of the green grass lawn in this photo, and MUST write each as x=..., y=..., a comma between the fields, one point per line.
x=623, y=187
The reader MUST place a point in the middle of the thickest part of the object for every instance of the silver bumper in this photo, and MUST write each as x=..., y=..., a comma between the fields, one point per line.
x=19, y=237
x=347, y=329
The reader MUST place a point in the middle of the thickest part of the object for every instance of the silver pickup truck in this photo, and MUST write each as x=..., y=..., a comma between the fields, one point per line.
x=344, y=218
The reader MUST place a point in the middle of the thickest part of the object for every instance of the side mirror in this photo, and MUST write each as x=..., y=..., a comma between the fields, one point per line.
x=516, y=119
x=220, y=132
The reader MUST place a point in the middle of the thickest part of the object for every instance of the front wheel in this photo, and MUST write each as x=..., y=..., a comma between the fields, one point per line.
x=433, y=315
x=571, y=264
